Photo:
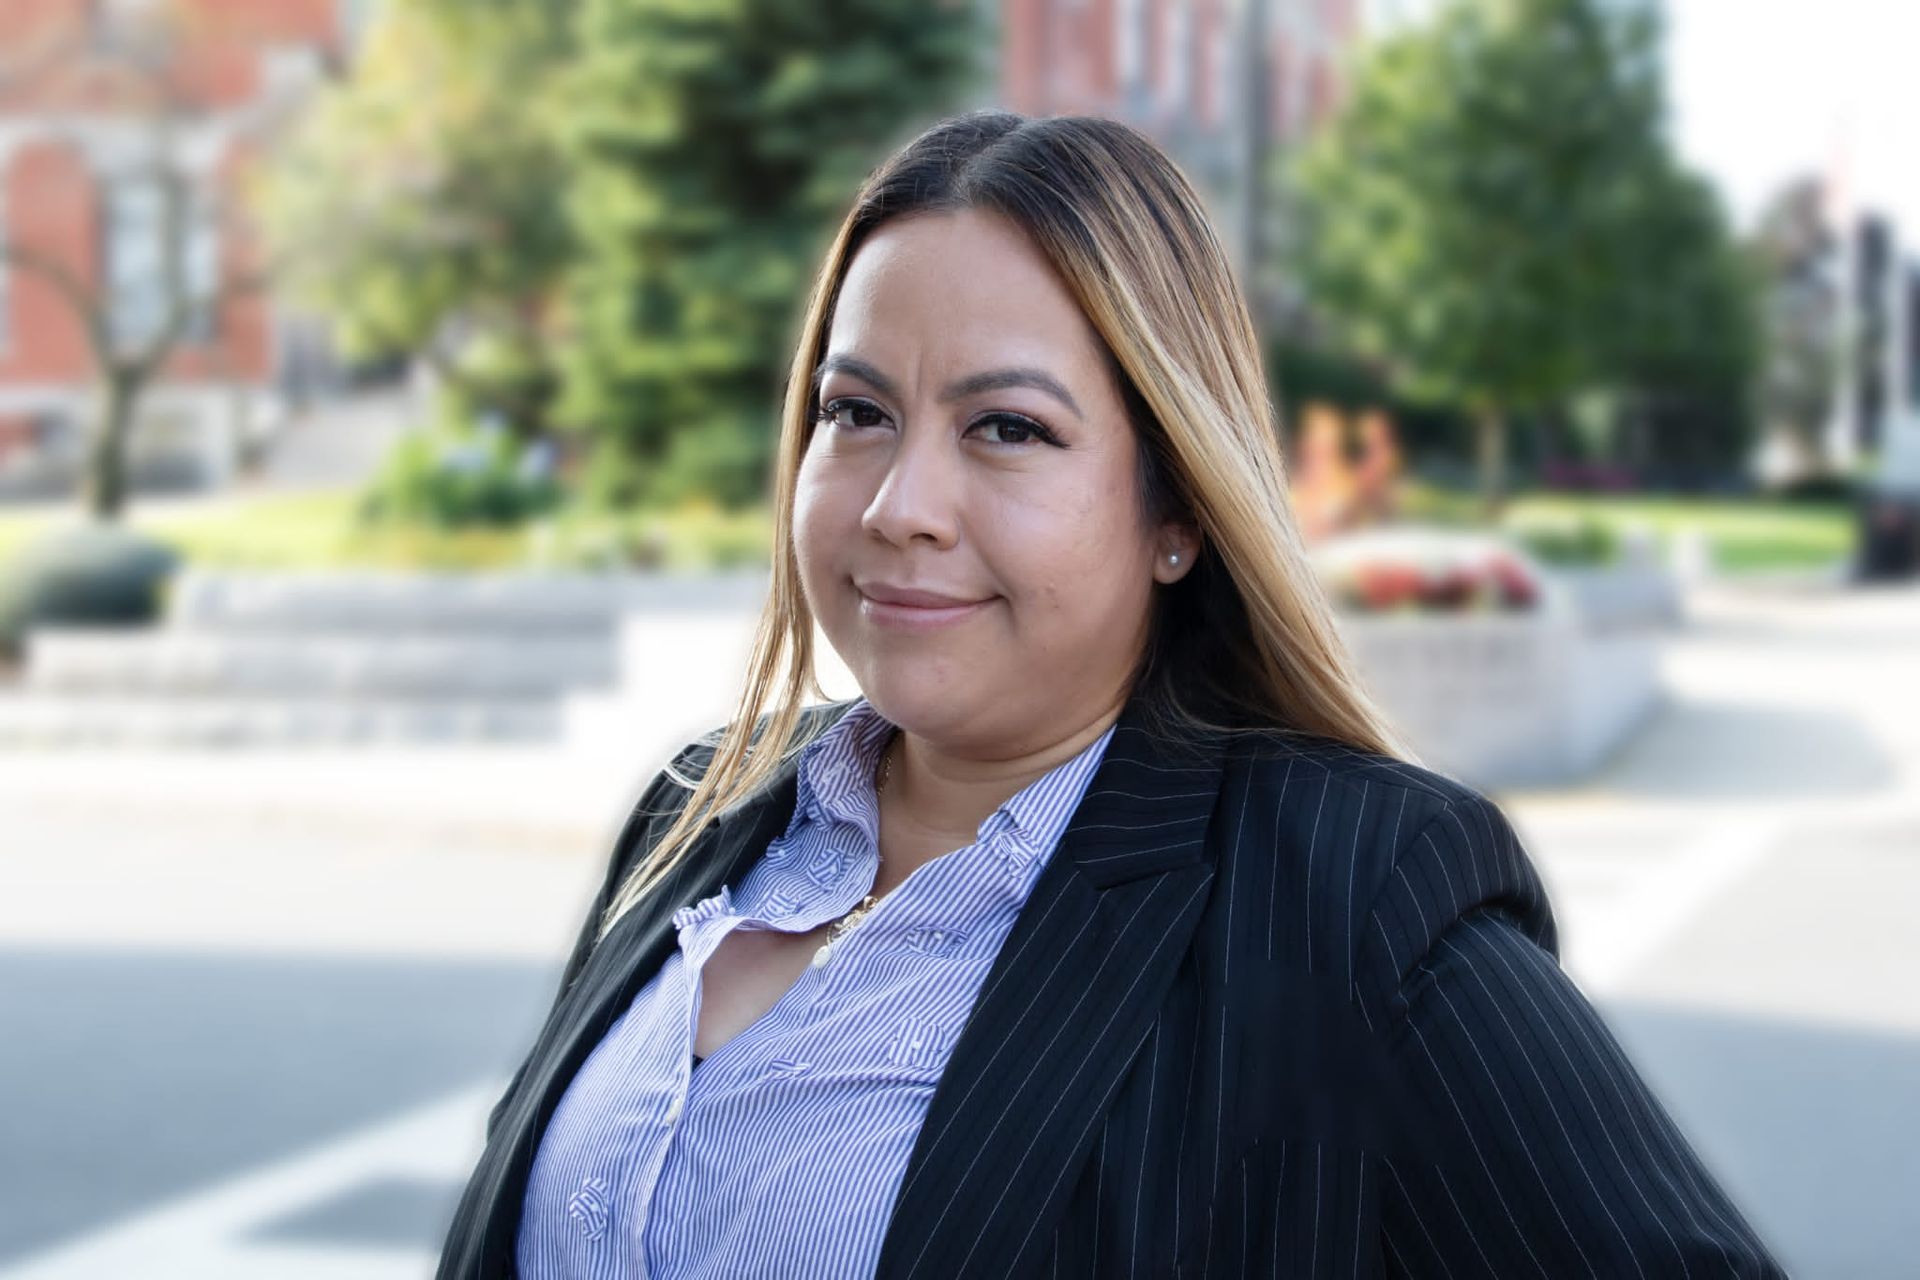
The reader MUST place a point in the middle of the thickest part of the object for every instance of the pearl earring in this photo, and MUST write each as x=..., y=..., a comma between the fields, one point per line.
x=1174, y=558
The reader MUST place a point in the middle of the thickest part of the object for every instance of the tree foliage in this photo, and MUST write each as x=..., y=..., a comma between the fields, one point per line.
x=711, y=145
x=601, y=214
x=421, y=204
x=1496, y=214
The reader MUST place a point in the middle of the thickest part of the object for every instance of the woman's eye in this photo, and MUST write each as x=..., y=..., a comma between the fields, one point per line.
x=1023, y=429
x=852, y=415
x=857, y=413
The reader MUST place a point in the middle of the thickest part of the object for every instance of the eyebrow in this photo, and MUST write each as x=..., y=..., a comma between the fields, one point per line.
x=972, y=384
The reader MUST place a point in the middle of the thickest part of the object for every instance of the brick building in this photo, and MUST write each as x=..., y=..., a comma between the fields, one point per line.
x=1186, y=72
x=86, y=172
x=1175, y=67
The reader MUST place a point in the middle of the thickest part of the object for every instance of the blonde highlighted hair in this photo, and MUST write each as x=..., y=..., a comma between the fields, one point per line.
x=1246, y=639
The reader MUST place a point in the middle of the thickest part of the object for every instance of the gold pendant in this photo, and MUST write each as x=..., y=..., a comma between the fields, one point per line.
x=841, y=928
x=844, y=925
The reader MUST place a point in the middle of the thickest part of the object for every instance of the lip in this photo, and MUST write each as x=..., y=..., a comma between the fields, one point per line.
x=911, y=608
x=915, y=597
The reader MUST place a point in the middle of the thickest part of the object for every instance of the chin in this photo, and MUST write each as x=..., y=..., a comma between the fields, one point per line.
x=917, y=700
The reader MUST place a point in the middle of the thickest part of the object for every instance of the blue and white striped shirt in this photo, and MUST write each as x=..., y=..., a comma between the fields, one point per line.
x=781, y=1155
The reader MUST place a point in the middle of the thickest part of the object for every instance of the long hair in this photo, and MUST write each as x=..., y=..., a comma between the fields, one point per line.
x=1246, y=639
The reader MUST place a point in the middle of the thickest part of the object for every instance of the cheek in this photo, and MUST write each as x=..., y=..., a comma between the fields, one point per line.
x=1089, y=573
x=832, y=489
x=815, y=535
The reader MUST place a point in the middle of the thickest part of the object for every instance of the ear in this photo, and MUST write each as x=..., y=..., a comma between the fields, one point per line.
x=1176, y=547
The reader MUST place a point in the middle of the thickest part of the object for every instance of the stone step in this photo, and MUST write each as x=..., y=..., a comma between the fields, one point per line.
x=52, y=720
x=389, y=602
x=184, y=662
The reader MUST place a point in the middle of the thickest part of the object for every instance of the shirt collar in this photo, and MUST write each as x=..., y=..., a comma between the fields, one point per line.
x=835, y=778
x=836, y=773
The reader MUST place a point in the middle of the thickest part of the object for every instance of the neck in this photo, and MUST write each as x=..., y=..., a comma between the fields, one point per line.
x=935, y=799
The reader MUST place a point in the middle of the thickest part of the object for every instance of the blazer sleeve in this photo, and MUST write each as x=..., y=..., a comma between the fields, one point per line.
x=652, y=813
x=1553, y=1159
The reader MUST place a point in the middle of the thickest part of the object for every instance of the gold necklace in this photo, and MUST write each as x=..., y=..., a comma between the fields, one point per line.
x=845, y=924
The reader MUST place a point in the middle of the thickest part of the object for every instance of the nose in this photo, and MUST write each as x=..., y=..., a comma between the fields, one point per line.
x=919, y=495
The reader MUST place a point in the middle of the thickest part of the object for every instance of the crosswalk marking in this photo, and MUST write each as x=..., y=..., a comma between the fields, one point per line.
x=1616, y=911
x=213, y=1234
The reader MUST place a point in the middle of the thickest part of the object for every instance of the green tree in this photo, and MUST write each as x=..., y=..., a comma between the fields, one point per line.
x=1684, y=351
x=712, y=145
x=1496, y=213
x=420, y=204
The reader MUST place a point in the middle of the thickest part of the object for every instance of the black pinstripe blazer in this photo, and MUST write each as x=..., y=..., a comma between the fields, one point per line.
x=1275, y=1007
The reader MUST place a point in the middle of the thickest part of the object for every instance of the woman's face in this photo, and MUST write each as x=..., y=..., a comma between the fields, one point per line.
x=972, y=446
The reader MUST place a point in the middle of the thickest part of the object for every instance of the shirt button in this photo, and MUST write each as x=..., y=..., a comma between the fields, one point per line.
x=675, y=1107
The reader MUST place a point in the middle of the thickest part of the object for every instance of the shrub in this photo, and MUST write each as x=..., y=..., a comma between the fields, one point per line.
x=1823, y=488
x=87, y=575
x=453, y=476
x=1579, y=540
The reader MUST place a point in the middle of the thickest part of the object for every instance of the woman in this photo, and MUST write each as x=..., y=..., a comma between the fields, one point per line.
x=1109, y=932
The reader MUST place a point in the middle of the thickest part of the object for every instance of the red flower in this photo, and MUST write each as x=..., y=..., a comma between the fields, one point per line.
x=1385, y=586
x=1517, y=588
x=1452, y=588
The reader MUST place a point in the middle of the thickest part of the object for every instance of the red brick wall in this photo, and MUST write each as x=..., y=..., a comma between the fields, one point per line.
x=48, y=198
x=1023, y=41
x=221, y=49
x=51, y=206
x=25, y=23
x=16, y=435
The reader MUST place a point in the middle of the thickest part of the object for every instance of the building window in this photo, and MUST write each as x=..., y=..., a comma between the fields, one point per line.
x=1179, y=55
x=140, y=291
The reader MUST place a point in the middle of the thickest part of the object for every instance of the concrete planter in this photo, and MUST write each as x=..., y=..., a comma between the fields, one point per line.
x=1627, y=595
x=1501, y=700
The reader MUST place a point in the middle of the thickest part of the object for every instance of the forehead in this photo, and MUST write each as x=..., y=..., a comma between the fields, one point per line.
x=960, y=290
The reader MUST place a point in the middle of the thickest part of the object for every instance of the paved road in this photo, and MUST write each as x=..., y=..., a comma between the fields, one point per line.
x=1736, y=890
x=130, y=1108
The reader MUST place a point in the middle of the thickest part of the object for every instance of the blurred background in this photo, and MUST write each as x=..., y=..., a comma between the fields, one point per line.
x=387, y=390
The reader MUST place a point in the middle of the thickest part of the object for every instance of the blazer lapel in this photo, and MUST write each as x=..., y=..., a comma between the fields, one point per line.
x=1062, y=1013
x=623, y=962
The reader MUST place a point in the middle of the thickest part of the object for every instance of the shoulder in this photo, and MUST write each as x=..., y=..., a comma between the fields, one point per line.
x=1336, y=807
x=1279, y=758
x=1361, y=842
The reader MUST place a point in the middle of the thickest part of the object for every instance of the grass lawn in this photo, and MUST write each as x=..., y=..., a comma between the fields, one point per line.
x=320, y=531
x=1745, y=534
